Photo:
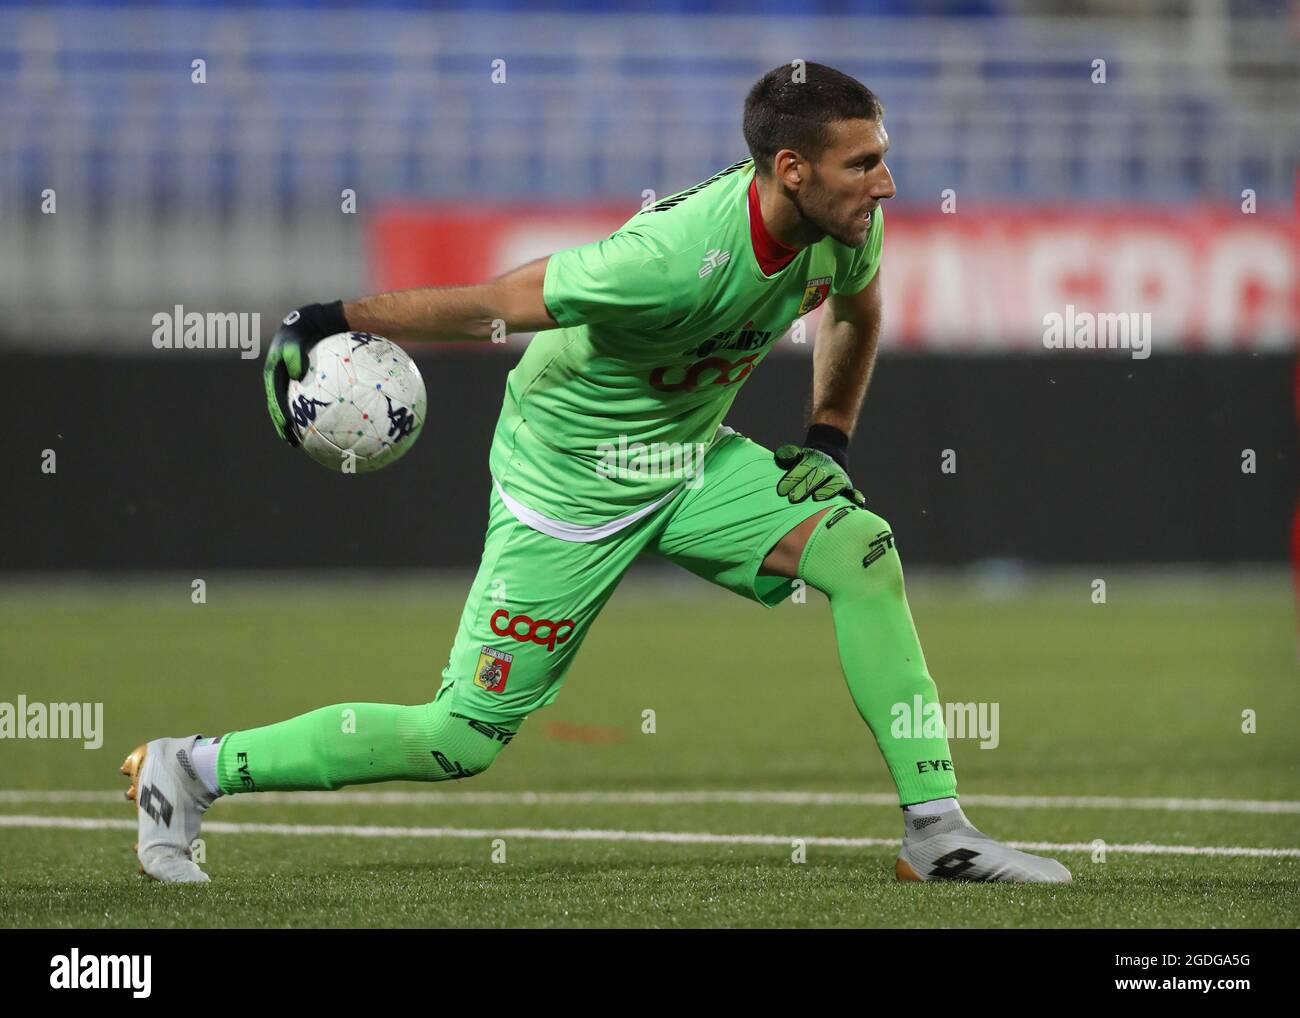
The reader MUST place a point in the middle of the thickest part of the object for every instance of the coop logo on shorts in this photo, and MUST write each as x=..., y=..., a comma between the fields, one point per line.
x=543, y=632
x=492, y=670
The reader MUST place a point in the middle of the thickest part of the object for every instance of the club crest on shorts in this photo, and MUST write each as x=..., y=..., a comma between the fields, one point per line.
x=492, y=670
x=816, y=291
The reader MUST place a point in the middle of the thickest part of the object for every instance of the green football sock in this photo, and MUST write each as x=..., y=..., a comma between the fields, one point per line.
x=850, y=556
x=360, y=743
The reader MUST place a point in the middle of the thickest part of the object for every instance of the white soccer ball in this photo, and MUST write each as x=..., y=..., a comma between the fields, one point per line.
x=360, y=405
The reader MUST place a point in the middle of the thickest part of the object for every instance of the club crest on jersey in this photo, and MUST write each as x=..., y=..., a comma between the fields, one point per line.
x=492, y=670
x=816, y=291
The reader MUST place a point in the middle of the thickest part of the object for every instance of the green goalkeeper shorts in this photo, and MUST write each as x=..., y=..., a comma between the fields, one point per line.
x=535, y=596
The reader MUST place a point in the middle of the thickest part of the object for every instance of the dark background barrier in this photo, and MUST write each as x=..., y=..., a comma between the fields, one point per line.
x=170, y=463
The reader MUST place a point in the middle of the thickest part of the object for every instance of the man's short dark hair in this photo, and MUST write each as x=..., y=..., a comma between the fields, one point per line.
x=792, y=107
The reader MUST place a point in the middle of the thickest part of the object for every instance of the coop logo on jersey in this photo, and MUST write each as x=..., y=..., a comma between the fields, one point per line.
x=543, y=632
x=816, y=291
x=492, y=670
x=709, y=371
x=712, y=368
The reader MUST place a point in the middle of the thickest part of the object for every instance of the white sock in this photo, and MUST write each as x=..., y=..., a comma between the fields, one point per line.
x=204, y=756
x=931, y=808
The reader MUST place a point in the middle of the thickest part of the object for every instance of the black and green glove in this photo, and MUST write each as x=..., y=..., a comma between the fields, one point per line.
x=286, y=357
x=818, y=469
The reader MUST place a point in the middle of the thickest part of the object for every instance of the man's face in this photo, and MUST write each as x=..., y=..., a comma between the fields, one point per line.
x=847, y=181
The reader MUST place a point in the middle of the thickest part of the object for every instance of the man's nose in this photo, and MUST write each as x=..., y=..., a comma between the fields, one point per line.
x=883, y=187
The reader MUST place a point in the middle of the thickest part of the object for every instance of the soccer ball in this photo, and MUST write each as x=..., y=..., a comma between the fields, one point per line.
x=360, y=405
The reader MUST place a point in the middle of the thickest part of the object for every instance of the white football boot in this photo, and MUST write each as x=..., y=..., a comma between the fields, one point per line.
x=946, y=846
x=170, y=800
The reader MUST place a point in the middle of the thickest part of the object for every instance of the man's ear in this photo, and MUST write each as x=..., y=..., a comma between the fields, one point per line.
x=788, y=165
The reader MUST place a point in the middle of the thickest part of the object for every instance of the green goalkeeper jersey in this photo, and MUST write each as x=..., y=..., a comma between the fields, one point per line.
x=660, y=323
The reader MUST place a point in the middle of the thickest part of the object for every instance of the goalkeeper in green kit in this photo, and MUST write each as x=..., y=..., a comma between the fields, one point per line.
x=643, y=340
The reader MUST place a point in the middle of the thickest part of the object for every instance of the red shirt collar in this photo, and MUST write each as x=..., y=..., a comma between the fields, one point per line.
x=772, y=255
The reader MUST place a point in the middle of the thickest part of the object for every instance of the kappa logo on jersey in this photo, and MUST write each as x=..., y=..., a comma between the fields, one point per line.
x=543, y=632
x=816, y=291
x=492, y=670
x=714, y=259
x=717, y=371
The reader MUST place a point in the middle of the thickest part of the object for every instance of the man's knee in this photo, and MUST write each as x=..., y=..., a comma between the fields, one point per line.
x=463, y=746
x=852, y=550
x=455, y=745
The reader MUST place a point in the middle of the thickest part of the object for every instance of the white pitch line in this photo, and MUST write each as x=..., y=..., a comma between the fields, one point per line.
x=593, y=834
x=780, y=798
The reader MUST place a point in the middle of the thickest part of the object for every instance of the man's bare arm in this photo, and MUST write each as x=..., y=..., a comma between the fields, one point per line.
x=442, y=313
x=844, y=356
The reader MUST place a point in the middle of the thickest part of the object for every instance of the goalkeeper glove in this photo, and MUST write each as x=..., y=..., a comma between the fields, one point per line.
x=818, y=468
x=286, y=357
